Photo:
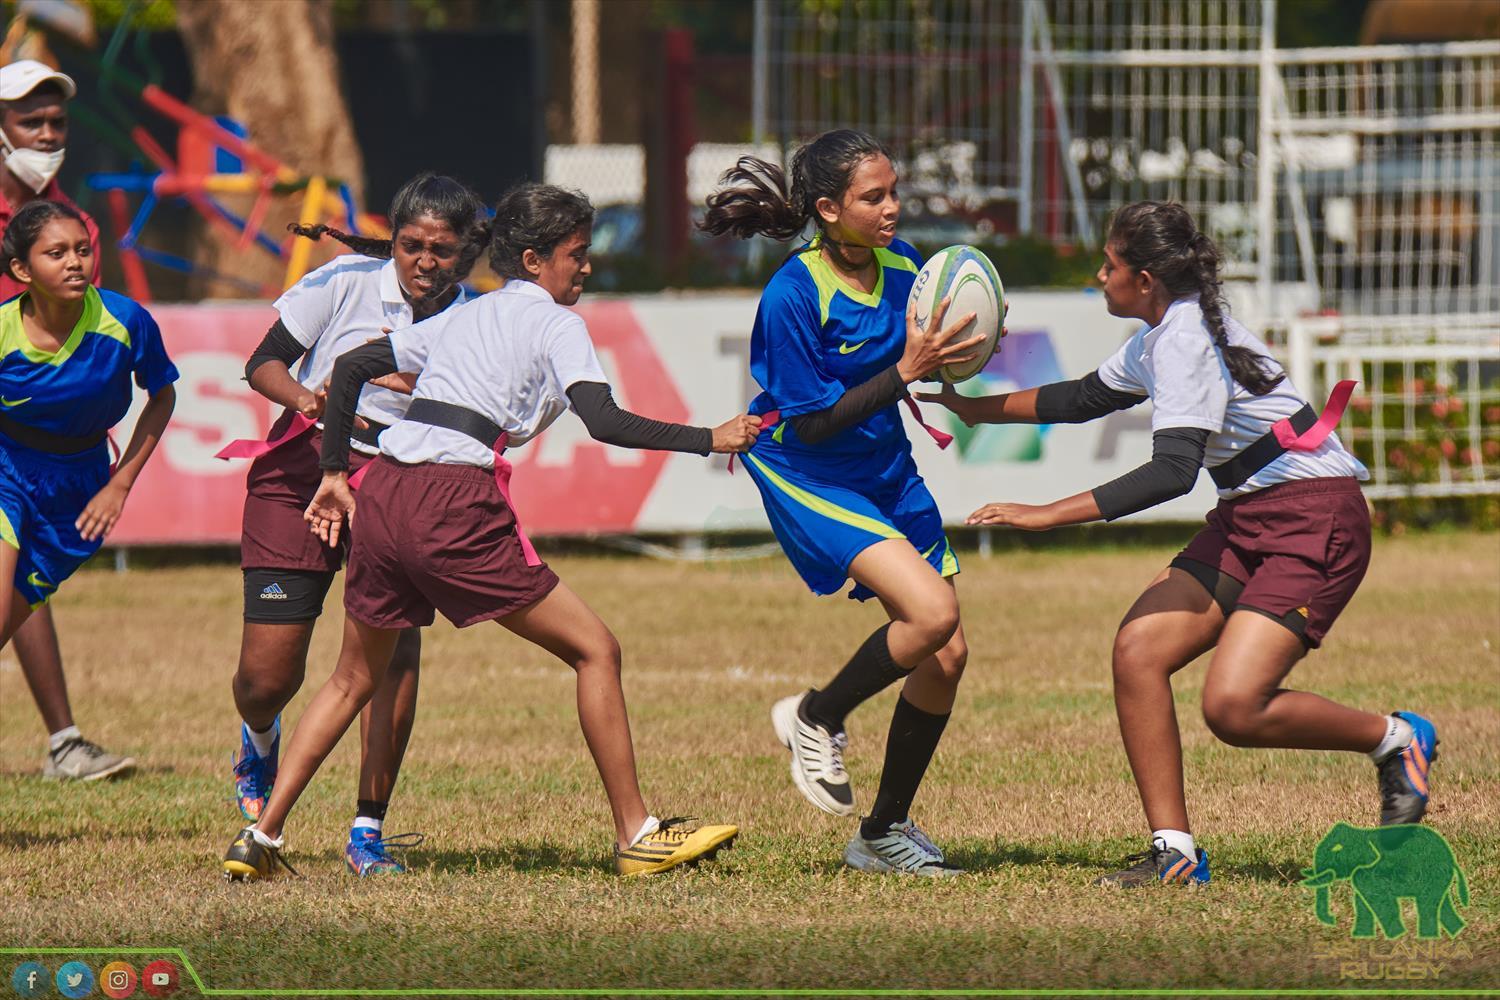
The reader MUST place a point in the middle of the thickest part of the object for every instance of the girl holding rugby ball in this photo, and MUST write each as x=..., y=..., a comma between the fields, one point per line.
x=834, y=348
x=1282, y=553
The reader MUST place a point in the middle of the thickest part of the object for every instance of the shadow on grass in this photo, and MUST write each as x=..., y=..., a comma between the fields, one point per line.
x=993, y=856
x=516, y=857
x=20, y=839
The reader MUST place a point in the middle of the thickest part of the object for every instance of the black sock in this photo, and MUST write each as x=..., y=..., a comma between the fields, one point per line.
x=908, y=750
x=372, y=809
x=869, y=671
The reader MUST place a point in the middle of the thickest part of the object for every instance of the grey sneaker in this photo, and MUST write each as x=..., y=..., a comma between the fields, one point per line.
x=1159, y=864
x=817, y=757
x=904, y=849
x=82, y=760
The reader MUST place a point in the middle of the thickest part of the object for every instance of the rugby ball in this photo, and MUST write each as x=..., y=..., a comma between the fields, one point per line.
x=970, y=279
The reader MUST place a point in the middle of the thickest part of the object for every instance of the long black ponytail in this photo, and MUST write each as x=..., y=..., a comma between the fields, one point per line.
x=1160, y=237
x=755, y=197
x=426, y=194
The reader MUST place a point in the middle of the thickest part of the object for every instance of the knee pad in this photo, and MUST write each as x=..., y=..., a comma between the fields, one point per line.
x=285, y=596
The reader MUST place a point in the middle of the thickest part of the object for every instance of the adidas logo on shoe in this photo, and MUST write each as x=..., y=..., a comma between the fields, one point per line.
x=273, y=593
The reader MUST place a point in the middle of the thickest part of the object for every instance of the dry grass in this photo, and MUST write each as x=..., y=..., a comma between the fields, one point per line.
x=512, y=889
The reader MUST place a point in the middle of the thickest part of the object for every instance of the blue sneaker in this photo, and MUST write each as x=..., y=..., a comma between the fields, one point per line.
x=1403, y=774
x=1159, y=864
x=368, y=852
x=254, y=775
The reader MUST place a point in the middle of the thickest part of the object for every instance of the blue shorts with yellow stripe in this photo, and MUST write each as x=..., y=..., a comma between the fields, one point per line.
x=823, y=520
x=41, y=496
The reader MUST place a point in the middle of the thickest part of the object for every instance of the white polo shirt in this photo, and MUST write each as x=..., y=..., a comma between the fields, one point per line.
x=510, y=354
x=345, y=304
x=1178, y=366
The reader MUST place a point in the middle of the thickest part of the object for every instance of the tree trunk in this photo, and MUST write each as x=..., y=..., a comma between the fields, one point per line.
x=273, y=67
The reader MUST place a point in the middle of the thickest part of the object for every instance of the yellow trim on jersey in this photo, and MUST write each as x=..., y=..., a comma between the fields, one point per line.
x=95, y=319
x=892, y=259
x=830, y=284
x=8, y=532
x=950, y=561
x=827, y=508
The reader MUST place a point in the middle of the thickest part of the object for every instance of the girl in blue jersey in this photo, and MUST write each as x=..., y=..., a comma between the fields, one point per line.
x=68, y=352
x=834, y=349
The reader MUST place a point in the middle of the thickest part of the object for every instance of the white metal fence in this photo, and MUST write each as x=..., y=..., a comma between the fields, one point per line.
x=1357, y=182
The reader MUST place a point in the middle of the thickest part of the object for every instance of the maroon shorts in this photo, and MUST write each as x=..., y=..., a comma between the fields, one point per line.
x=1294, y=552
x=279, y=487
x=437, y=537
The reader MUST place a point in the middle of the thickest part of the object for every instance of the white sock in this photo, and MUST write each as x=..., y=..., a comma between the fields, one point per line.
x=369, y=821
x=62, y=736
x=1177, y=840
x=647, y=827
x=1398, y=735
x=265, y=841
x=262, y=741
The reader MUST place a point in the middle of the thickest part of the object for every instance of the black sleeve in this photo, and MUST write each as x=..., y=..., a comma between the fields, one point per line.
x=278, y=345
x=1081, y=400
x=853, y=406
x=1176, y=457
x=595, y=405
x=350, y=373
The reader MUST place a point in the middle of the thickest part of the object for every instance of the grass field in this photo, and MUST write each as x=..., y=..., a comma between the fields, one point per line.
x=512, y=888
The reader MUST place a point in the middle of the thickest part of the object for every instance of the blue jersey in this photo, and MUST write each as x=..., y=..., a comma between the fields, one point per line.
x=84, y=388
x=816, y=337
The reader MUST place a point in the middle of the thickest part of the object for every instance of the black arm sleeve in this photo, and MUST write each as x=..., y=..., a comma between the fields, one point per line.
x=278, y=345
x=1080, y=400
x=1176, y=457
x=595, y=405
x=853, y=406
x=350, y=373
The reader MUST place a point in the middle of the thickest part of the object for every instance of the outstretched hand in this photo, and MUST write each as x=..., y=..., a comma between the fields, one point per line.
x=737, y=434
x=1028, y=517
x=962, y=406
x=333, y=502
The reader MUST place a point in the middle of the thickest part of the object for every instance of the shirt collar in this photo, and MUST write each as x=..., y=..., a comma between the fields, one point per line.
x=52, y=192
x=520, y=286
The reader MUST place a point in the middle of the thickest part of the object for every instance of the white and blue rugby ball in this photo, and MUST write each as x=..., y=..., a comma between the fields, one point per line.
x=971, y=280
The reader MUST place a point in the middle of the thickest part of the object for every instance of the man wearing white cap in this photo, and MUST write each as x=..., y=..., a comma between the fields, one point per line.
x=33, y=133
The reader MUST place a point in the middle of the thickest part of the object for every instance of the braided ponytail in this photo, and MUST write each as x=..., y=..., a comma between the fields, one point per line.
x=755, y=197
x=1160, y=237
x=369, y=246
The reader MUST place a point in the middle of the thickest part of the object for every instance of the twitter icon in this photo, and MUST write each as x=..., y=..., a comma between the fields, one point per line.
x=75, y=980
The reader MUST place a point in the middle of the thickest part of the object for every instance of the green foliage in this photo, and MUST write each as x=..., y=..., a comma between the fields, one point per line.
x=146, y=15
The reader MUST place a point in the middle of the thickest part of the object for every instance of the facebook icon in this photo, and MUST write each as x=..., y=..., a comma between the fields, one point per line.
x=30, y=979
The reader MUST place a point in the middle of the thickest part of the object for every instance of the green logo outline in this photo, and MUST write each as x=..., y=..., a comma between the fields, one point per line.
x=1384, y=865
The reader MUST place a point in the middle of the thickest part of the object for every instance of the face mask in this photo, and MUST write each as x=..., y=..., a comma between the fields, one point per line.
x=32, y=167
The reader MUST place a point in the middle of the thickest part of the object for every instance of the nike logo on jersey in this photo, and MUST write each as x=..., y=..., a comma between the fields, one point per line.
x=40, y=584
x=848, y=348
x=8, y=403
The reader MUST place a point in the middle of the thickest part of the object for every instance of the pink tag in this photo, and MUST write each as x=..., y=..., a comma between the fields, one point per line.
x=768, y=422
x=503, y=469
x=359, y=475
x=942, y=438
x=254, y=447
x=1318, y=432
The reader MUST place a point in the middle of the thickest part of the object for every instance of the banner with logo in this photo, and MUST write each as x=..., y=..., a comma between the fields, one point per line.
x=681, y=358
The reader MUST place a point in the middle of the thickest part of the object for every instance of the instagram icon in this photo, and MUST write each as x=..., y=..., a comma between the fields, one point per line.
x=117, y=980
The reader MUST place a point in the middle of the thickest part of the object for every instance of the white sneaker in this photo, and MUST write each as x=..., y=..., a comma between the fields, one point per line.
x=904, y=849
x=817, y=757
x=81, y=760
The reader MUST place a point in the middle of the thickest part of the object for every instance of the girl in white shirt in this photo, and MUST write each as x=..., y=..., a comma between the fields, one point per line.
x=436, y=528
x=1282, y=554
x=439, y=229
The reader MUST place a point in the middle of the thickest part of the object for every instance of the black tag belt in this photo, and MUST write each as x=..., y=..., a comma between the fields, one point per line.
x=1266, y=449
x=450, y=416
